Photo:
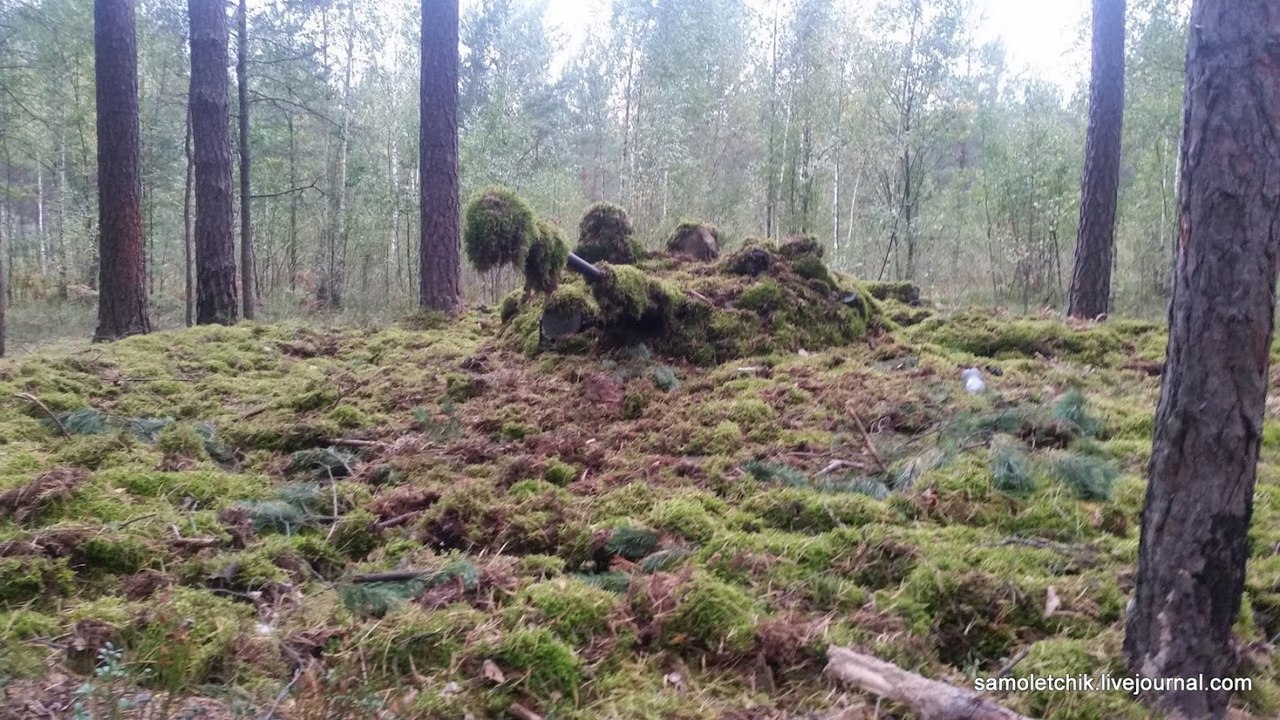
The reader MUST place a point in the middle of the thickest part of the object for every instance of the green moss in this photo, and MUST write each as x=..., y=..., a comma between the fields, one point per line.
x=560, y=473
x=725, y=438
x=712, y=615
x=906, y=293
x=355, y=535
x=537, y=662
x=546, y=259
x=686, y=516
x=182, y=439
x=412, y=639
x=26, y=578
x=574, y=610
x=1070, y=658
x=811, y=267
x=762, y=297
x=605, y=235
x=499, y=228
x=349, y=416
x=185, y=636
x=20, y=658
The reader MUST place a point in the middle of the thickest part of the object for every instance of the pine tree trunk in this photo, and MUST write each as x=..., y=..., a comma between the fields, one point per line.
x=214, y=237
x=1091, y=276
x=247, y=289
x=4, y=298
x=122, y=290
x=1195, y=523
x=188, y=259
x=439, y=279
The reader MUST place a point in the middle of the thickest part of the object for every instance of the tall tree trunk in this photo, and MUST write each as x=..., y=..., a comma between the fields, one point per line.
x=1091, y=276
x=247, y=289
x=1195, y=523
x=293, y=207
x=4, y=298
x=214, y=237
x=188, y=258
x=439, y=279
x=122, y=289
x=44, y=244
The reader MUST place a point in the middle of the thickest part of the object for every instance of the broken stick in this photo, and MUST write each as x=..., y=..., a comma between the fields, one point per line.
x=928, y=699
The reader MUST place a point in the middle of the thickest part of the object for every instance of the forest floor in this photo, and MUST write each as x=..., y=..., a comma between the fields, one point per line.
x=189, y=522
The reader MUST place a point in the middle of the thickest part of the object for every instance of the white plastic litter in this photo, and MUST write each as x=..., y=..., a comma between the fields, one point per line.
x=973, y=383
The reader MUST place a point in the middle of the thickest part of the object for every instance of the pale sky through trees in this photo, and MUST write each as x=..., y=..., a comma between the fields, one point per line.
x=1043, y=36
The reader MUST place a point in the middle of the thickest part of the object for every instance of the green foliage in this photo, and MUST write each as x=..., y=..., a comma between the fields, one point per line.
x=1087, y=476
x=499, y=228
x=630, y=542
x=712, y=615
x=1072, y=410
x=377, y=599
x=1010, y=469
x=539, y=662
x=574, y=610
x=546, y=259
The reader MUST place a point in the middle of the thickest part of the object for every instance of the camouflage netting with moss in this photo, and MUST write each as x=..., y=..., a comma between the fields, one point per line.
x=434, y=524
x=499, y=228
x=757, y=301
x=605, y=235
x=546, y=259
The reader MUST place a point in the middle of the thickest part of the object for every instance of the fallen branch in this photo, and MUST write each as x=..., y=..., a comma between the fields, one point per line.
x=398, y=520
x=36, y=401
x=1013, y=662
x=928, y=699
x=354, y=442
x=390, y=576
x=866, y=438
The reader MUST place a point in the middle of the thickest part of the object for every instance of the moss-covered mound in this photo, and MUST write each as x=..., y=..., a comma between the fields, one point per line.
x=605, y=235
x=430, y=524
x=499, y=229
x=699, y=241
x=546, y=259
x=704, y=313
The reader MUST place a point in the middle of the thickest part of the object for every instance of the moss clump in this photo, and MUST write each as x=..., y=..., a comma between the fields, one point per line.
x=798, y=246
x=605, y=235
x=26, y=578
x=686, y=516
x=412, y=639
x=540, y=662
x=571, y=608
x=349, y=416
x=546, y=259
x=700, y=241
x=725, y=438
x=560, y=473
x=182, y=440
x=907, y=293
x=499, y=229
x=712, y=615
x=186, y=635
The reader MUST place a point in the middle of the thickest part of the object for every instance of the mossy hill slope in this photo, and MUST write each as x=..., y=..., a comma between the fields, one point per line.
x=619, y=533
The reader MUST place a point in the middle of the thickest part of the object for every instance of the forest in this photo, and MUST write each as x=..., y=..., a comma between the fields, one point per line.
x=732, y=359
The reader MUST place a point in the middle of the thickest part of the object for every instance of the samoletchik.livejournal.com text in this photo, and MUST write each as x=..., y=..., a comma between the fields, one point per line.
x=1133, y=685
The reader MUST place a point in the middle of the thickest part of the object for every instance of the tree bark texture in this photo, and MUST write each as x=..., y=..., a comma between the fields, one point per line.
x=210, y=134
x=440, y=277
x=1199, y=503
x=1091, y=277
x=247, y=288
x=122, y=290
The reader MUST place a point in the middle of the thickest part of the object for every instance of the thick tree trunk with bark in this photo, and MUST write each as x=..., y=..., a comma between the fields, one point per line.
x=214, y=237
x=1195, y=524
x=247, y=288
x=122, y=290
x=188, y=259
x=440, y=261
x=1095, y=239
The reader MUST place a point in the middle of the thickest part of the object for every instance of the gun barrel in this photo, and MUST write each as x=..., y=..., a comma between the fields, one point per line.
x=592, y=273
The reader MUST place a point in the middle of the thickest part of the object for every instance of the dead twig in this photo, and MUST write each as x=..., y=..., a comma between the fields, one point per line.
x=866, y=438
x=355, y=442
x=1013, y=662
x=398, y=520
x=36, y=401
